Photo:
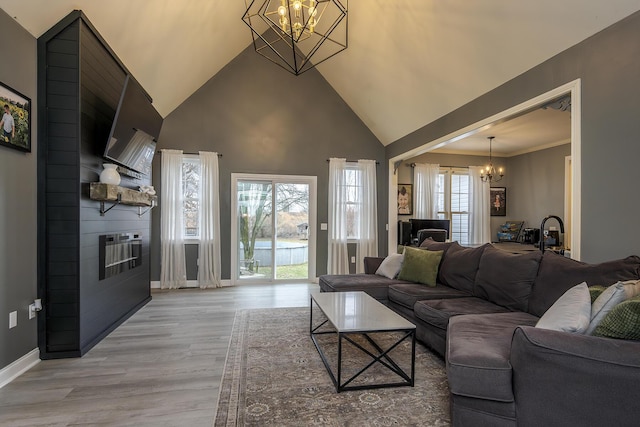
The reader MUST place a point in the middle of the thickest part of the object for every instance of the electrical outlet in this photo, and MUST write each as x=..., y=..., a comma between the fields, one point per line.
x=13, y=319
x=386, y=227
x=32, y=311
x=323, y=226
x=353, y=260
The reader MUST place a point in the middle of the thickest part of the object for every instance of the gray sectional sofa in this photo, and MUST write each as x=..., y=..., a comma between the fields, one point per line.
x=502, y=370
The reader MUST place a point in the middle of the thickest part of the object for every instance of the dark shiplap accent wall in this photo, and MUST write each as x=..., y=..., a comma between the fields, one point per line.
x=83, y=80
x=61, y=298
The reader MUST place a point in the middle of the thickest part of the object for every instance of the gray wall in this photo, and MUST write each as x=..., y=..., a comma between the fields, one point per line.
x=535, y=187
x=608, y=65
x=18, y=193
x=264, y=120
x=534, y=182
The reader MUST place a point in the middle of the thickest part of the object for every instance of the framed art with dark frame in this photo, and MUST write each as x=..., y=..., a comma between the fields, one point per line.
x=15, y=126
x=498, y=200
x=405, y=199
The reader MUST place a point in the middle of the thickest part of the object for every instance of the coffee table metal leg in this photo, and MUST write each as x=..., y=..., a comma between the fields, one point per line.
x=382, y=357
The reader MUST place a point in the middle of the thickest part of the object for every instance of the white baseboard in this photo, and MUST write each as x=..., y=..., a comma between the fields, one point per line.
x=20, y=366
x=155, y=284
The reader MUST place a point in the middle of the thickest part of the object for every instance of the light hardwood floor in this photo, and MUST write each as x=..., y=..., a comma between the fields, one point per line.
x=162, y=367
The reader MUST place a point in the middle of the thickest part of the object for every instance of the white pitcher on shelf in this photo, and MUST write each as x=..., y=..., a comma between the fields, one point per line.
x=110, y=174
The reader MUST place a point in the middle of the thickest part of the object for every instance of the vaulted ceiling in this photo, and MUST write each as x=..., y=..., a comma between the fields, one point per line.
x=408, y=63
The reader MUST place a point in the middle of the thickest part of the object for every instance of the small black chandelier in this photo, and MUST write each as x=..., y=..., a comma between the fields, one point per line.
x=489, y=173
x=290, y=33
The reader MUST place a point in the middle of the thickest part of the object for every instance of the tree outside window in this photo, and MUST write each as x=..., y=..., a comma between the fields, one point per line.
x=191, y=194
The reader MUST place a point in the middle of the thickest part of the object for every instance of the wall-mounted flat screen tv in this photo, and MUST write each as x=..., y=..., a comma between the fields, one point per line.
x=135, y=130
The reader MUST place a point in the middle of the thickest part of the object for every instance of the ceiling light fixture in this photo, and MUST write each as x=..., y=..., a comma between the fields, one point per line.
x=290, y=33
x=488, y=173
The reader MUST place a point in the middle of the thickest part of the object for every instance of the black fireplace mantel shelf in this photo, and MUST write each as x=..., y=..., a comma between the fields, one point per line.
x=120, y=195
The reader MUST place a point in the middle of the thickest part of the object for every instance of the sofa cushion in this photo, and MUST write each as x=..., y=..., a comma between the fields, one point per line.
x=420, y=266
x=371, y=264
x=406, y=294
x=432, y=245
x=390, y=266
x=478, y=349
x=459, y=267
x=623, y=322
x=570, y=313
x=437, y=312
x=558, y=273
x=506, y=278
x=375, y=286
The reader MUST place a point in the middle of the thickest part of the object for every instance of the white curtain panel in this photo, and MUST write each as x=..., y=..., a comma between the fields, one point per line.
x=425, y=179
x=479, y=215
x=173, y=272
x=367, y=244
x=338, y=259
x=209, y=256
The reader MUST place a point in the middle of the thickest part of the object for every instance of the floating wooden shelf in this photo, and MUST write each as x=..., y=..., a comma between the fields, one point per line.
x=120, y=195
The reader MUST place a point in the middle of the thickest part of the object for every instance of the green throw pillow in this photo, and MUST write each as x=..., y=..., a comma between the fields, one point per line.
x=420, y=265
x=623, y=322
x=595, y=291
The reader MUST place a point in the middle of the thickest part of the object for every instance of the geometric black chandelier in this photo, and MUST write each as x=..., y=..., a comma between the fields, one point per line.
x=297, y=35
x=488, y=173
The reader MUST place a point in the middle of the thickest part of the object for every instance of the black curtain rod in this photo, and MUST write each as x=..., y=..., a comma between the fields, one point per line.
x=188, y=153
x=412, y=165
x=353, y=161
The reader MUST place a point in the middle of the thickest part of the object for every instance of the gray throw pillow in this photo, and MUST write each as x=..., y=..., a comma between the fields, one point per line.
x=390, y=266
x=570, y=313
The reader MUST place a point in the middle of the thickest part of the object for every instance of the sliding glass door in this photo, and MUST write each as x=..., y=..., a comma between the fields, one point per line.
x=273, y=217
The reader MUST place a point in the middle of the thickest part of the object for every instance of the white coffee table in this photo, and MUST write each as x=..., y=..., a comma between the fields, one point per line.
x=356, y=313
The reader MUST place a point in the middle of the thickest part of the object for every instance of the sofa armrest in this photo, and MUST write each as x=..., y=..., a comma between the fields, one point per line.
x=569, y=379
x=371, y=264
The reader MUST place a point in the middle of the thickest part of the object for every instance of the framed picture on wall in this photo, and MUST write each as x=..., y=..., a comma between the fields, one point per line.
x=405, y=199
x=15, y=126
x=498, y=201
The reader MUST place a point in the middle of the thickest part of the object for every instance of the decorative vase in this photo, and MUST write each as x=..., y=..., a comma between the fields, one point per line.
x=110, y=174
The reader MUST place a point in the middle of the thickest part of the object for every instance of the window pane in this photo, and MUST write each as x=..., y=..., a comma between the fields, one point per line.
x=352, y=202
x=190, y=190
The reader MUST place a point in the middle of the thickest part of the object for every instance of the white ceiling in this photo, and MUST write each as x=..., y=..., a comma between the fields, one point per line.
x=535, y=130
x=408, y=63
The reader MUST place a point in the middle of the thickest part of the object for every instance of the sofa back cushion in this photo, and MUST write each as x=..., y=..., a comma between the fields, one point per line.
x=558, y=274
x=459, y=267
x=431, y=245
x=506, y=279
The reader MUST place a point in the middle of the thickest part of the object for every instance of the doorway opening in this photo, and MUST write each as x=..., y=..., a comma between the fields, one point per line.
x=572, y=209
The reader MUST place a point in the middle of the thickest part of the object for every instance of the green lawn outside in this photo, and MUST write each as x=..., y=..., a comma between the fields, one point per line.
x=298, y=271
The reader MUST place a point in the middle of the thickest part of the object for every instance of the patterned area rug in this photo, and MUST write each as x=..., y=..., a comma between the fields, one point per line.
x=274, y=376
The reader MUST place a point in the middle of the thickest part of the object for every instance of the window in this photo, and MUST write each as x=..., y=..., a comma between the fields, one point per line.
x=453, y=201
x=191, y=194
x=353, y=200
